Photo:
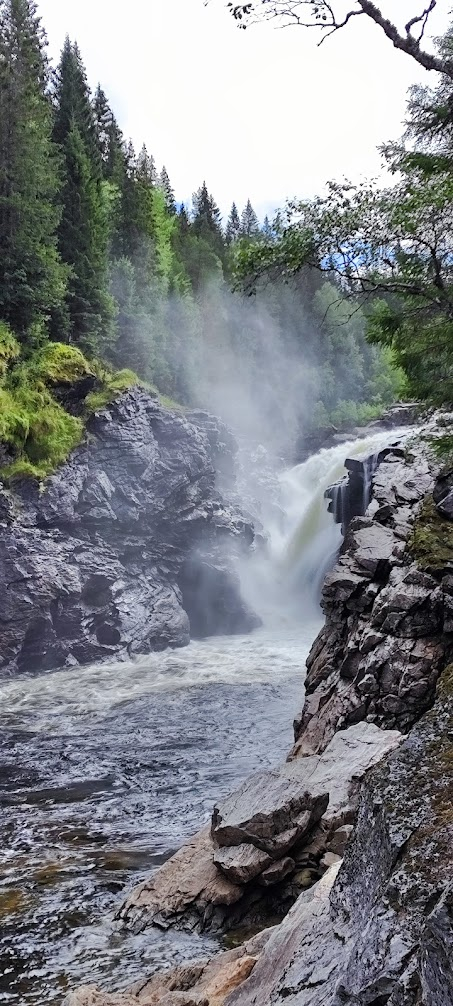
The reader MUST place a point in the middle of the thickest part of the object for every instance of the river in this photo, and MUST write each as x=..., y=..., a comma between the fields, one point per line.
x=105, y=770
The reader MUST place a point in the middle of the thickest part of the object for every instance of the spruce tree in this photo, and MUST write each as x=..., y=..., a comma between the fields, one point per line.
x=267, y=229
x=207, y=220
x=233, y=226
x=183, y=219
x=73, y=103
x=84, y=228
x=33, y=279
x=109, y=137
x=146, y=167
x=165, y=185
x=250, y=227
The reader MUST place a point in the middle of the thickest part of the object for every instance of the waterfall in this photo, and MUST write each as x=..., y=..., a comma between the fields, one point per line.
x=284, y=580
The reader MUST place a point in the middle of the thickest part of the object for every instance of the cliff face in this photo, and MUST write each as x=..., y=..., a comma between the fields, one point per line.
x=388, y=624
x=126, y=545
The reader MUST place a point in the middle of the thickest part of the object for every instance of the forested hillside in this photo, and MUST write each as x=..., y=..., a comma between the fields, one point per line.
x=98, y=254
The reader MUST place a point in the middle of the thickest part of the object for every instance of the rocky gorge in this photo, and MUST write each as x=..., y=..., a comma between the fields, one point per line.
x=349, y=842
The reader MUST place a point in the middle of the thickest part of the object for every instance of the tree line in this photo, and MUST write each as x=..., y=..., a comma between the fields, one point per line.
x=97, y=252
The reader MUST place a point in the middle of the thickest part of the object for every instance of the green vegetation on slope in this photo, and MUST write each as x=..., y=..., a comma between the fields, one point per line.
x=37, y=431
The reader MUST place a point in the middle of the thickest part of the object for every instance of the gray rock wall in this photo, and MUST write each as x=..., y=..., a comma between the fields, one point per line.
x=387, y=633
x=94, y=565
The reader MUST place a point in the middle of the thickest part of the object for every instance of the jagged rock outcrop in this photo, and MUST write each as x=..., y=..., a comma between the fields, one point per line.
x=101, y=562
x=388, y=622
x=275, y=826
x=380, y=932
x=378, y=927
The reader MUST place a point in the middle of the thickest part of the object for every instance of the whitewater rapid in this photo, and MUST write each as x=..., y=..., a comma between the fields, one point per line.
x=105, y=770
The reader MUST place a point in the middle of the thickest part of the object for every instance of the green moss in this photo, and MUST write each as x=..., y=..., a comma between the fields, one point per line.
x=112, y=385
x=171, y=404
x=431, y=542
x=38, y=431
x=14, y=420
x=53, y=435
x=22, y=469
x=57, y=363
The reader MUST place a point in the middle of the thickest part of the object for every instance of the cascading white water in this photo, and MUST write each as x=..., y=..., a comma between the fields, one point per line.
x=284, y=582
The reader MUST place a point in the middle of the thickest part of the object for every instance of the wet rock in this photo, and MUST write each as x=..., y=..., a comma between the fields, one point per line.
x=184, y=890
x=294, y=809
x=340, y=839
x=241, y=863
x=276, y=872
x=380, y=930
x=445, y=506
x=388, y=622
x=201, y=983
x=270, y=810
x=95, y=566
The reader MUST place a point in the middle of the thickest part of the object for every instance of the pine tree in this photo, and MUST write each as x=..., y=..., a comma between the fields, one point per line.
x=165, y=185
x=33, y=280
x=250, y=227
x=233, y=226
x=84, y=227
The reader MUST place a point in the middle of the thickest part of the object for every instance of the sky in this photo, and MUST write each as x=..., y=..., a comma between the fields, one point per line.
x=263, y=114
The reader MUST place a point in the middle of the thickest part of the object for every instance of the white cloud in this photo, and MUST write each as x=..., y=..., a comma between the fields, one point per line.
x=261, y=113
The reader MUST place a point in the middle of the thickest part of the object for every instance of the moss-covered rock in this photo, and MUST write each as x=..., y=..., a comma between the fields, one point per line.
x=57, y=363
x=111, y=384
x=431, y=542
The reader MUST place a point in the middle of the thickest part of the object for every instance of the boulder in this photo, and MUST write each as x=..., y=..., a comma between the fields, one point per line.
x=276, y=872
x=241, y=863
x=270, y=810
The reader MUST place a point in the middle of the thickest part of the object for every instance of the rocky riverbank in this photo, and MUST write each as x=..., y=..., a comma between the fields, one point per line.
x=127, y=548
x=369, y=779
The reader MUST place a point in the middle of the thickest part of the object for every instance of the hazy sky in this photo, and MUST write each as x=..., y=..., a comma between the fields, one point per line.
x=263, y=113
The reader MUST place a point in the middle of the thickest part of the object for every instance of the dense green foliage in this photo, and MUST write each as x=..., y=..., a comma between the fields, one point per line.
x=97, y=255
